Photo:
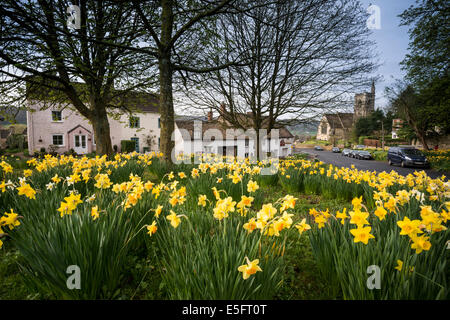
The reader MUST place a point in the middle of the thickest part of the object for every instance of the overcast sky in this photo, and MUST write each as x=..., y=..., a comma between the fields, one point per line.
x=392, y=43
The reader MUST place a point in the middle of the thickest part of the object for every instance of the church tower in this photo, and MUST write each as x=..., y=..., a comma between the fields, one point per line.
x=364, y=103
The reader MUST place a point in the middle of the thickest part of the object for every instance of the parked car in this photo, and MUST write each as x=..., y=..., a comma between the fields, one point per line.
x=346, y=152
x=407, y=156
x=360, y=146
x=319, y=148
x=336, y=150
x=352, y=153
x=363, y=155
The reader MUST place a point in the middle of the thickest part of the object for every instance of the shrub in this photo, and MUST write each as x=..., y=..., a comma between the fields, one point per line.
x=15, y=141
x=127, y=146
x=379, y=155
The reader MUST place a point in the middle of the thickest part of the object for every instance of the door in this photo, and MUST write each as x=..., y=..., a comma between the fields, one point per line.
x=136, y=143
x=80, y=145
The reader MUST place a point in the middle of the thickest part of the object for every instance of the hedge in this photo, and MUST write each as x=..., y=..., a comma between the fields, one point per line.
x=127, y=146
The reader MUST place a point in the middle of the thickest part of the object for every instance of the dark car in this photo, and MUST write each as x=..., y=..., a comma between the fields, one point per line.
x=363, y=155
x=345, y=152
x=407, y=156
x=352, y=153
x=336, y=150
x=319, y=148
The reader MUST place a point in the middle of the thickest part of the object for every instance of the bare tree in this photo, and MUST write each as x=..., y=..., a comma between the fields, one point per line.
x=87, y=68
x=181, y=39
x=404, y=101
x=305, y=58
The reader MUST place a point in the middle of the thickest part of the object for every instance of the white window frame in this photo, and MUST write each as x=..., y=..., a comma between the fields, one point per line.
x=63, y=140
x=62, y=118
x=81, y=143
x=138, y=122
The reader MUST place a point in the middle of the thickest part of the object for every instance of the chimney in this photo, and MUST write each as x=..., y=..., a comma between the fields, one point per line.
x=210, y=115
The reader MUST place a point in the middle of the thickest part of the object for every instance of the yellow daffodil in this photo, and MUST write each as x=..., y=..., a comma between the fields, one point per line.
x=409, y=227
x=27, y=190
x=342, y=215
x=302, y=226
x=94, y=213
x=152, y=228
x=380, y=212
x=359, y=218
x=420, y=243
x=158, y=211
x=250, y=225
x=174, y=219
x=362, y=234
x=252, y=186
x=249, y=268
x=202, y=200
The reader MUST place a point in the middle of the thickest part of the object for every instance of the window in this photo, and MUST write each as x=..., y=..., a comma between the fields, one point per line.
x=58, y=139
x=246, y=155
x=324, y=129
x=134, y=122
x=246, y=142
x=159, y=122
x=56, y=116
x=159, y=143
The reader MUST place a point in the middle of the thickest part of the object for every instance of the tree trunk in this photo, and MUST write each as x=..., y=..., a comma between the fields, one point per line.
x=165, y=81
x=258, y=146
x=421, y=136
x=412, y=122
x=102, y=134
x=419, y=133
x=166, y=108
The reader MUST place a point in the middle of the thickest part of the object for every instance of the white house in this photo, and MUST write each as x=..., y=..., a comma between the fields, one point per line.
x=218, y=136
x=63, y=129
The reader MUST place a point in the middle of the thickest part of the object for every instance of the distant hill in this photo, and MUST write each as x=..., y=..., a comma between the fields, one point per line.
x=21, y=118
x=309, y=128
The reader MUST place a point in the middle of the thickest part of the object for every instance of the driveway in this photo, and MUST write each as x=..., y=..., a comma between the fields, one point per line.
x=371, y=165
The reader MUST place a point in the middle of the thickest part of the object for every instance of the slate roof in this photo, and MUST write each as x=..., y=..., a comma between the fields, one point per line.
x=143, y=101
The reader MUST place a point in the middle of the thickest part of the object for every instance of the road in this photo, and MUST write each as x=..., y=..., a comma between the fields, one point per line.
x=338, y=160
